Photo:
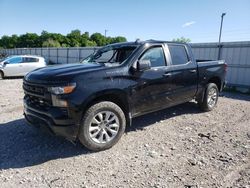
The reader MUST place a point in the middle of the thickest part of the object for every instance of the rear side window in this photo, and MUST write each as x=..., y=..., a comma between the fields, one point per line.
x=30, y=60
x=178, y=54
x=155, y=55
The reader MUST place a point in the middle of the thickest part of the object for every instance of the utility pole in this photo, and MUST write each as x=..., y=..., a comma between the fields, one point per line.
x=219, y=45
x=106, y=33
x=105, y=36
x=221, y=24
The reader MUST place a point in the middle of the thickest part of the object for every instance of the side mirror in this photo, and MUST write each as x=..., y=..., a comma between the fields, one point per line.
x=143, y=65
x=5, y=63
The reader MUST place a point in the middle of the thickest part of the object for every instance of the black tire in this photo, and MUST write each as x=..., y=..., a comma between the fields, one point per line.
x=91, y=115
x=206, y=104
x=1, y=75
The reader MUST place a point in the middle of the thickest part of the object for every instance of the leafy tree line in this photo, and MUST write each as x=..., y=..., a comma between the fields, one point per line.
x=74, y=39
x=182, y=39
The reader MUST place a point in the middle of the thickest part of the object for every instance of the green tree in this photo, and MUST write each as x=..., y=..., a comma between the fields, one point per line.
x=91, y=43
x=14, y=41
x=51, y=43
x=182, y=39
x=74, y=39
x=29, y=40
x=9, y=42
x=119, y=39
x=99, y=39
x=55, y=36
x=84, y=39
x=5, y=42
x=44, y=36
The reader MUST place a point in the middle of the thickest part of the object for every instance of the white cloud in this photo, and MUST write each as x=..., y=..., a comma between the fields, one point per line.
x=187, y=24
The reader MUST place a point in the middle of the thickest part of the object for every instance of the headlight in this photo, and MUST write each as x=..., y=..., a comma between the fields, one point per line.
x=62, y=89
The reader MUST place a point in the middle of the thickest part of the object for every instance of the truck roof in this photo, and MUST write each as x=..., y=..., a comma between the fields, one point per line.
x=139, y=42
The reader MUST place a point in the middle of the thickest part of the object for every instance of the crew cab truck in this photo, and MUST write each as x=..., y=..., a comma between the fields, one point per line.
x=94, y=100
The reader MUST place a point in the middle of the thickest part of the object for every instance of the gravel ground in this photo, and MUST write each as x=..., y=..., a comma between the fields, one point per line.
x=177, y=147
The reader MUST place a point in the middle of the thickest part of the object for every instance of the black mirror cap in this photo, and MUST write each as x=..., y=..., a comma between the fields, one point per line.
x=143, y=65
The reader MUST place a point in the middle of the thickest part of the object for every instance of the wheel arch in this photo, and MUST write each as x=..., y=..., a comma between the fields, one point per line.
x=116, y=96
x=1, y=72
x=217, y=81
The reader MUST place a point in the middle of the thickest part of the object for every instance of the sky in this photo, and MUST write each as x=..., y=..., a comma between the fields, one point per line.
x=198, y=20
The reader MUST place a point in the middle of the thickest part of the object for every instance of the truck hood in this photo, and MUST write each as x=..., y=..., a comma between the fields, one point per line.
x=60, y=73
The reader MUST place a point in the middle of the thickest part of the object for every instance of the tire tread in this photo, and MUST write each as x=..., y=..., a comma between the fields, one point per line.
x=203, y=103
x=83, y=137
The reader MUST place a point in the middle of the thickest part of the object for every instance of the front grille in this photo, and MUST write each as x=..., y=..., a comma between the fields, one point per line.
x=34, y=89
x=37, y=95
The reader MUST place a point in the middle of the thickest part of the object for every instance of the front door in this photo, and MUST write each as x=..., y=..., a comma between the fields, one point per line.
x=152, y=85
x=13, y=66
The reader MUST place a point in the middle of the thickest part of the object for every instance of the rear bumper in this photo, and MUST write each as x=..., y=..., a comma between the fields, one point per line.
x=55, y=120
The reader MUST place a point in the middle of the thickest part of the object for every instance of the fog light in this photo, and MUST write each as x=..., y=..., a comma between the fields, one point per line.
x=58, y=102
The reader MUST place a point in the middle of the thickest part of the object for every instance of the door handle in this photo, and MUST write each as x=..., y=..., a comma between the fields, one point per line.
x=167, y=74
x=192, y=71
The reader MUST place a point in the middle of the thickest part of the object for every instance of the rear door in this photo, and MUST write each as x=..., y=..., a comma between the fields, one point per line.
x=13, y=66
x=152, y=85
x=29, y=64
x=183, y=72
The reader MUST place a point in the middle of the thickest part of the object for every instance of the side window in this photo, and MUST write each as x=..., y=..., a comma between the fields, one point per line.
x=155, y=55
x=30, y=60
x=15, y=60
x=178, y=54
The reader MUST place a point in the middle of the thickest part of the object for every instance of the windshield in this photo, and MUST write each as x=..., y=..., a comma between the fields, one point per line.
x=110, y=55
x=5, y=58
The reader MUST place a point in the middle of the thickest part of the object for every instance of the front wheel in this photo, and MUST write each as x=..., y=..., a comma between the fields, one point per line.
x=102, y=126
x=210, y=98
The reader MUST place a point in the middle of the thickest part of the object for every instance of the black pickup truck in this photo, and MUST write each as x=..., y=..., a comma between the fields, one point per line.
x=94, y=100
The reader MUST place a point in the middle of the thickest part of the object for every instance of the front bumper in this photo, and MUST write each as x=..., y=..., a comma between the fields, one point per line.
x=53, y=119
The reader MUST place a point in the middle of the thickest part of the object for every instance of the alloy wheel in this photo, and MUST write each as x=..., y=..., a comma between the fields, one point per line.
x=104, y=127
x=212, y=97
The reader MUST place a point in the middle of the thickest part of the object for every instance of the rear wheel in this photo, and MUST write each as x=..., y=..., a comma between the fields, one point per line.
x=210, y=98
x=102, y=126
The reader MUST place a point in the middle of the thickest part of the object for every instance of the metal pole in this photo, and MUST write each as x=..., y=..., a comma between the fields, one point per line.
x=219, y=45
x=106, y=36
x=221, y=24
x=56, y=55
x=79, y=54
x=67, y=55
x=106, y=33
x=48, y=54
